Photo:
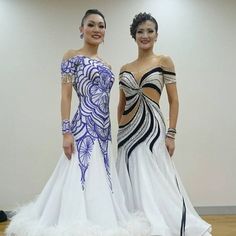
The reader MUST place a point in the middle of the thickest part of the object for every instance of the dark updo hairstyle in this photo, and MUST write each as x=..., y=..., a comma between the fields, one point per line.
x=91, y=12
x=139, y=19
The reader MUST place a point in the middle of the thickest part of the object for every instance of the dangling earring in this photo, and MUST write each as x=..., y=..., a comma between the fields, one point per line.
x=81, y=35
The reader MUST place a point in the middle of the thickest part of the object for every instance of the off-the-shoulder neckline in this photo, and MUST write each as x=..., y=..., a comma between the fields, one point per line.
x=98, y=59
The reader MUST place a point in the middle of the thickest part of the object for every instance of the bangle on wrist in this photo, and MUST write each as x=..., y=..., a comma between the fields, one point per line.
x=171, y=136
x=171, y=130
x=66, y=127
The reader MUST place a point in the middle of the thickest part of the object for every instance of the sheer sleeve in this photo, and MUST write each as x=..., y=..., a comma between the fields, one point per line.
x=168, y=71
x=68, y=69
x=169, y=77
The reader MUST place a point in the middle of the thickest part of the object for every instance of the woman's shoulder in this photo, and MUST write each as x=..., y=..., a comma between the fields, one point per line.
x=123, y=68
x=166, y=62
x=104, y=62
x=127, y=67
x=70, y=54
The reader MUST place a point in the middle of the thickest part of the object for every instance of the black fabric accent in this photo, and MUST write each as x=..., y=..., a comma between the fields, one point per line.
x=155, y=138
x=144, y=136
x=124, y=84
x=168, y=72
x=145, y=75
x=150, y=85
x=130, y=97
x=183, y=220
x=131, y=108
x=125, y=71
x=135, y=130
x=156, y=69
x=122, y=126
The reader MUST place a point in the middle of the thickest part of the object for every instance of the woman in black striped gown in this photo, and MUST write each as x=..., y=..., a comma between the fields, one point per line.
x=146, y=171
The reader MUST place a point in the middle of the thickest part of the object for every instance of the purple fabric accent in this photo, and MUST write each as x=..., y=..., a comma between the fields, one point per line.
x=93, y=81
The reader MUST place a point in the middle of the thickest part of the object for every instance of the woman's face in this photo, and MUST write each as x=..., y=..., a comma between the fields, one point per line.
x=93, y=29
x=146, y=35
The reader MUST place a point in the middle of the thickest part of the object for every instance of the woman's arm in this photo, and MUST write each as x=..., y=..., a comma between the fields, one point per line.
x=122, y=101
x=173, y=104
x=66, y=95
x=121, y=106
x=173, y=116
x=173, y=100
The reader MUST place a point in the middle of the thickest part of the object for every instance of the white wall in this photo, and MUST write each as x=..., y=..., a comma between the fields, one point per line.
x=199, y=35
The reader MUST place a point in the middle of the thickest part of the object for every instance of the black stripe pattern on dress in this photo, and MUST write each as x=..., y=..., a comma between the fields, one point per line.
x=143, y=125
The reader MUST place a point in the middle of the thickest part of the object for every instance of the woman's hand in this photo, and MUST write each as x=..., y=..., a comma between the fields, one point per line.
x=68, y=145
x=170, y=145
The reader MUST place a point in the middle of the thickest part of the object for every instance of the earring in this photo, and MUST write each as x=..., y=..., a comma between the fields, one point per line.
x=81, y=35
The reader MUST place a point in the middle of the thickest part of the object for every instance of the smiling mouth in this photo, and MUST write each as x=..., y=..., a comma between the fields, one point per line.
x=96, y=36
x=144, y=42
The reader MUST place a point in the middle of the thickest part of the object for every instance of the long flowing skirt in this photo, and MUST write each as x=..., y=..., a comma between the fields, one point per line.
x=151, y=184
x=64, y=208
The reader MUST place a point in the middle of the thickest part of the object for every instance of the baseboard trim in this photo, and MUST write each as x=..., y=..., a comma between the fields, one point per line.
x=216, y=210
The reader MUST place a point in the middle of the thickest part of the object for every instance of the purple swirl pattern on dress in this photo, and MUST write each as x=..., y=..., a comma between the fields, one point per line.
x=92, y=82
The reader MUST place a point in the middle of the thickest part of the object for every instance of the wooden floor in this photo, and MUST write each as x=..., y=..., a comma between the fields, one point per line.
x=223, y=225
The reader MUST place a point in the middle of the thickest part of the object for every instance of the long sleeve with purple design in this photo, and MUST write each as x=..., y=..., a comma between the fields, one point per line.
x=92, y=81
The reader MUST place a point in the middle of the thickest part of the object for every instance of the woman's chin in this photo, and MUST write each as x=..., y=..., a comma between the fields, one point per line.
x=95, y=42
x=145, y=47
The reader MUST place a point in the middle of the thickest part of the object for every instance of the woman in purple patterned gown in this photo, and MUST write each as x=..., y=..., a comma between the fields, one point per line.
x=83, y=197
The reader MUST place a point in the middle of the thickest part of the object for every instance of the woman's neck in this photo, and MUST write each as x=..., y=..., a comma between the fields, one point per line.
x=89, y=50
x=145, y=54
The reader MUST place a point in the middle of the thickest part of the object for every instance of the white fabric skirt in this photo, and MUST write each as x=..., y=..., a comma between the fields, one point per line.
x=64, y=209
x=153, y=186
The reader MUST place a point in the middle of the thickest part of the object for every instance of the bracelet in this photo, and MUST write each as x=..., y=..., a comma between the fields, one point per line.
x=170, y=136
x=66, y=127
x=172, y=130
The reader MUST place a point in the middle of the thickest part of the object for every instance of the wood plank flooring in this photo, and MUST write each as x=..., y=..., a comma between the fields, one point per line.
x=223, y=225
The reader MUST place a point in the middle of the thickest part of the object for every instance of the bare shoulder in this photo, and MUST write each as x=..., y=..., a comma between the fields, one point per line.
x=167, y=62
x=123, y=68
x=105, y=62
x=69, y=54
x=127, y=67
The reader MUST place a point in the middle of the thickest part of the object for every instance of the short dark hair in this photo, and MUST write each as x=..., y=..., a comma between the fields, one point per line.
x=91, y=12
x=140, y=18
